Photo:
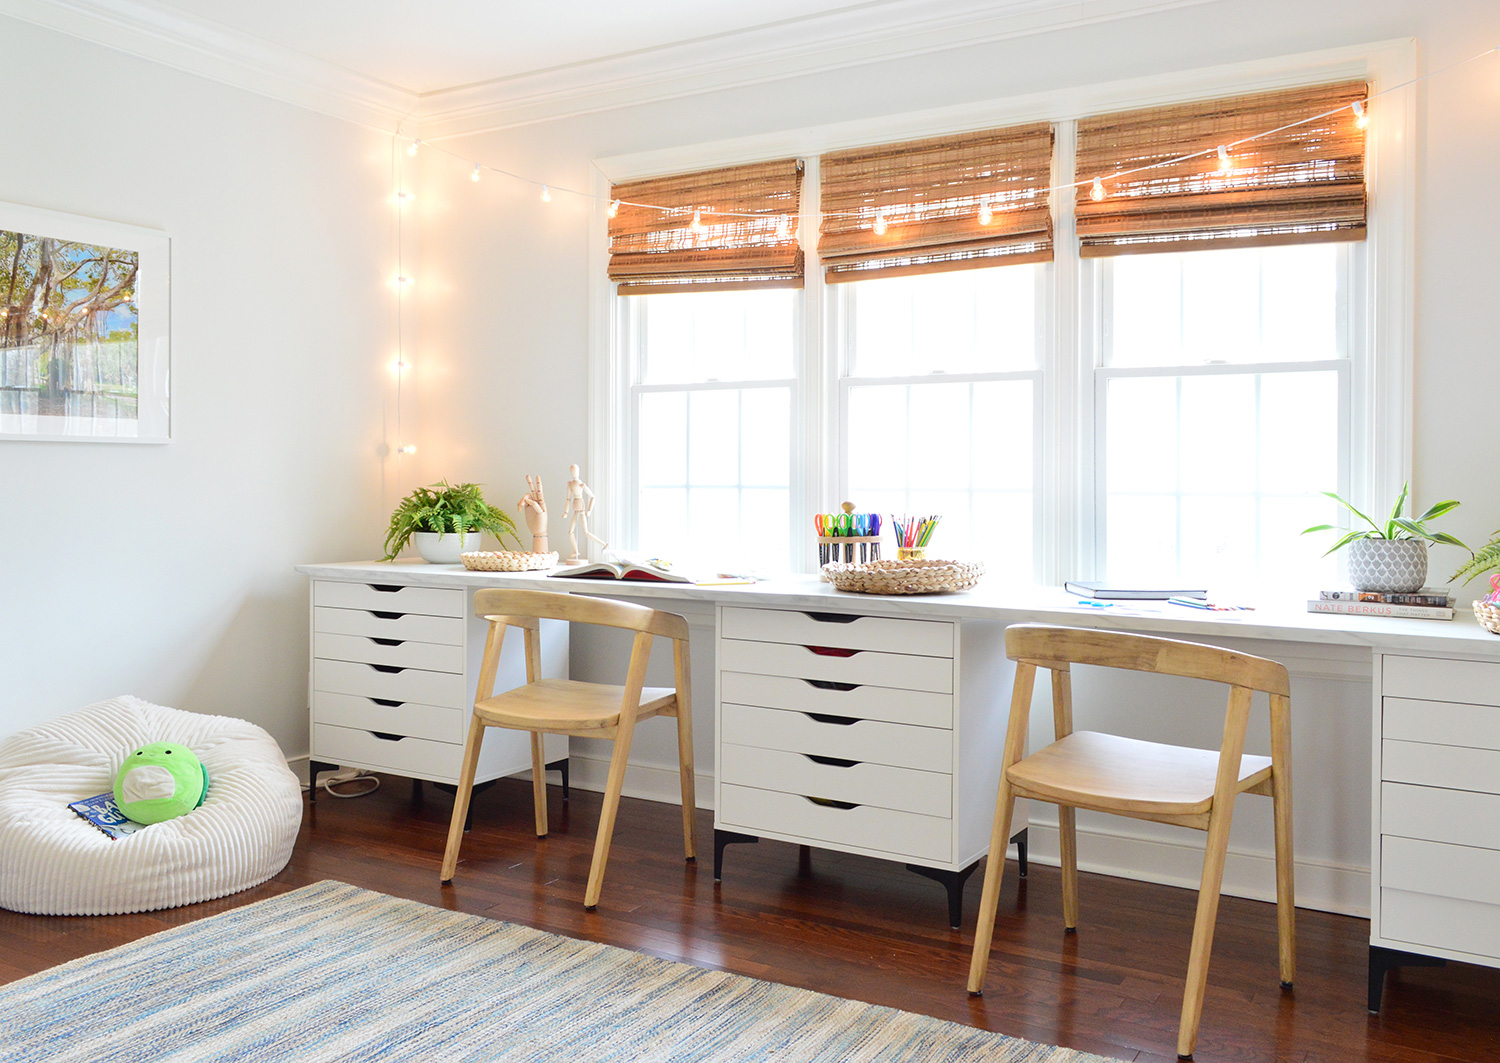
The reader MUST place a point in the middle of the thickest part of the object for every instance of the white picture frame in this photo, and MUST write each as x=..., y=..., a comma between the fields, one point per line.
x=66, y=372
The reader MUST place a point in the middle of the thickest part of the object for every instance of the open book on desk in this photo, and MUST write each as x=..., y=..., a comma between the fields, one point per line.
x=646, y=570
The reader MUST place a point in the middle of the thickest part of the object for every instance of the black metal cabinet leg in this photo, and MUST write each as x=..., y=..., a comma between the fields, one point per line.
x=1020, y=838
x=479, y=788
x=723, y=838
x=954, y=882
x=1384, y=959
x=313, y=768
x=561, y=766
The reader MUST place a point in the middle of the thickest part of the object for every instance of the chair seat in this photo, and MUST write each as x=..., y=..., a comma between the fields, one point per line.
x=1110, y=773
x=564, y=705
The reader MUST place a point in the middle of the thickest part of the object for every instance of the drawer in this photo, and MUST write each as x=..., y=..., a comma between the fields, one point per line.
x=921, y=707
x=407, y=627
x=1471, y=927
x=1444, y=723
x=1440, y=870
x=1449, y=767
x=412, y=757
x=1435, y=679
x=429, y=655
x=898, y=745
x=445, y=689
x=389, y=598
x=924, y=792
x=865, y=667
x=434, y=722
x=926, y=638
x=903, y=835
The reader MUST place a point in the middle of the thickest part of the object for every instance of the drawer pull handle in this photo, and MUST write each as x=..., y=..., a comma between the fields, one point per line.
x=832, y=651
x=384, y=588
x=828, y=802
x=381, y=614
x=832, y=762
x=823, y=717
x=832, y=618
x=386, y=736
x=386, y=642
x=387, y=668
x=388, y=703
x=829, y=684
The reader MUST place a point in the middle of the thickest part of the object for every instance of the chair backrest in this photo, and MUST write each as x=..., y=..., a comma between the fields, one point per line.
x=518, y=606
x=1055, y=648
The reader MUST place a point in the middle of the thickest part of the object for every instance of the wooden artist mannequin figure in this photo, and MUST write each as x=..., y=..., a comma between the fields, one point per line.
x=534, y=508
x=580, y=503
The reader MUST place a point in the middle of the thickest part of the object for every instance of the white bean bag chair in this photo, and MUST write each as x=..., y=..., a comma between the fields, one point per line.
x=53, y=862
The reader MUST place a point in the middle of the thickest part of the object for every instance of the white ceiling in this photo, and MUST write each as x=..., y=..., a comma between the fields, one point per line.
x=426, y=46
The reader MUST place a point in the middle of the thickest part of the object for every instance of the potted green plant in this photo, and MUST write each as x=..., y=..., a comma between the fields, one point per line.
x=1485, y=559
x=445, y=520
x=1389, y=556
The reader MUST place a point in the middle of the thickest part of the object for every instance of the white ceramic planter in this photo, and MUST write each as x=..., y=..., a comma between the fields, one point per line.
x=1387, y=564
x=444, y=549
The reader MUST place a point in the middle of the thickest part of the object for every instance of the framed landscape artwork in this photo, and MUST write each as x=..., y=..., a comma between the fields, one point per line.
x=84, y=329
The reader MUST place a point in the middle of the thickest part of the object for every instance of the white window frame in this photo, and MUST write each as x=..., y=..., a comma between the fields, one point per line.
x=1380, y=443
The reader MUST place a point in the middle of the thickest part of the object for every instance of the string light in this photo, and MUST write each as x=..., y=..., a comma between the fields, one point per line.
x=783, y=228
x=413, y=149
x=985, y=214
x=697, y=224
x=1225, y=162
x=409, y=448
x=879, y=227
x=1360, y=118
x=405, y=197
x=475, y=175
x=1097, y=192
x=546, y=194
x=614, y=208
x=404, y=281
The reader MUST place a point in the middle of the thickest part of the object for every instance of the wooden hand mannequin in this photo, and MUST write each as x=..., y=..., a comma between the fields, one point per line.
x=534, y=508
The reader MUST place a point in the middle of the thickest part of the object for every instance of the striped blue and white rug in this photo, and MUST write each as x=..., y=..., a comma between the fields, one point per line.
x=332, y=972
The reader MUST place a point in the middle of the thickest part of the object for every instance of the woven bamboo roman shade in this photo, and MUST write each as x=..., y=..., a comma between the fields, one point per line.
x=1303, y=184
x=933, y=197
x=747, y=239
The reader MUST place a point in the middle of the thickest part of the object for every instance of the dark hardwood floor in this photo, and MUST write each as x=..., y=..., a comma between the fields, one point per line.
x=868, y=930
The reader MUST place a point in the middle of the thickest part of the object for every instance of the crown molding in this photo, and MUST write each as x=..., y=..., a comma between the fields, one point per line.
x=810, y=45
x=151, y=31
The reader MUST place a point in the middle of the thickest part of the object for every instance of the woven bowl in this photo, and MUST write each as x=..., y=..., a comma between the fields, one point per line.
x=507, y=561
x=904, y=577
x=1489, y=616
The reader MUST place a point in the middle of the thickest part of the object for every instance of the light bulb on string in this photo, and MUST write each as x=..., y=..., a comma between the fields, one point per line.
x=1097, y=192
x=1361, y=119
x=475, y=175
x=614, y=208
x=405, y=281
x=1225, y=162
x=413, y=149
x=986, y=215
x=697, y=223
x=879, y=225
x=783, y=228
x=546, y=194
x=405, y=196
x=409, y=448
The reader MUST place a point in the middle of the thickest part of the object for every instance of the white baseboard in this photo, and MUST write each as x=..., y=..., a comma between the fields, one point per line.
x=1321, y=886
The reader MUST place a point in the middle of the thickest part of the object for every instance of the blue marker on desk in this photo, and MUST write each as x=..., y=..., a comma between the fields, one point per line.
x=1095, y=605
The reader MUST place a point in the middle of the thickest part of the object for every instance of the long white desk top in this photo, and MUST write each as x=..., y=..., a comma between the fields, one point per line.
x=1287, y=622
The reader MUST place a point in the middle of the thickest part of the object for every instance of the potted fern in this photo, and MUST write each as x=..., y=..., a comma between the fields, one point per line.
x=1485, y=559
x=1391, y=555
x=445, y=520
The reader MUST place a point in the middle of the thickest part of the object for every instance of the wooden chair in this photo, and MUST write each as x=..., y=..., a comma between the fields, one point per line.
x=587, y=710
x=1145, y=780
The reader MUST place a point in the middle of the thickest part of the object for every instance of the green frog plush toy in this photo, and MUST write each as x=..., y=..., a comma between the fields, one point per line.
x=160, y=782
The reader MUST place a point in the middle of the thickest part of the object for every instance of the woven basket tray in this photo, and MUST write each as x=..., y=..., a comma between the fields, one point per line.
x=507, y=561
x=1489, y=615
x=904, y=577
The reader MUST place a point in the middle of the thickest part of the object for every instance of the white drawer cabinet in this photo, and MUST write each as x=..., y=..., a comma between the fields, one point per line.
x=864, y=733
x=1435, y=879
x=393, y=677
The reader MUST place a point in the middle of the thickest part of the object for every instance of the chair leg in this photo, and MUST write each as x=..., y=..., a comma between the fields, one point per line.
x=461, y=795
x=989, y=899
x=539, y=783
x=1286, y=894
x=607, y=813
x=1067, y=831
x=1203, y=930
x=689, y=788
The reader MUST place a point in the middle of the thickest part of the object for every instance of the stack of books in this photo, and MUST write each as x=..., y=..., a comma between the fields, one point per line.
x=1426, y=604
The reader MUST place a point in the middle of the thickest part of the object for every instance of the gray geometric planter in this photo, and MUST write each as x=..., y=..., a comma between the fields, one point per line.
x=1387, y=564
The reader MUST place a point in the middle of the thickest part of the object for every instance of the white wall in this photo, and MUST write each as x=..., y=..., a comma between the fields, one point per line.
x=506, y=329
x=166, y=571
